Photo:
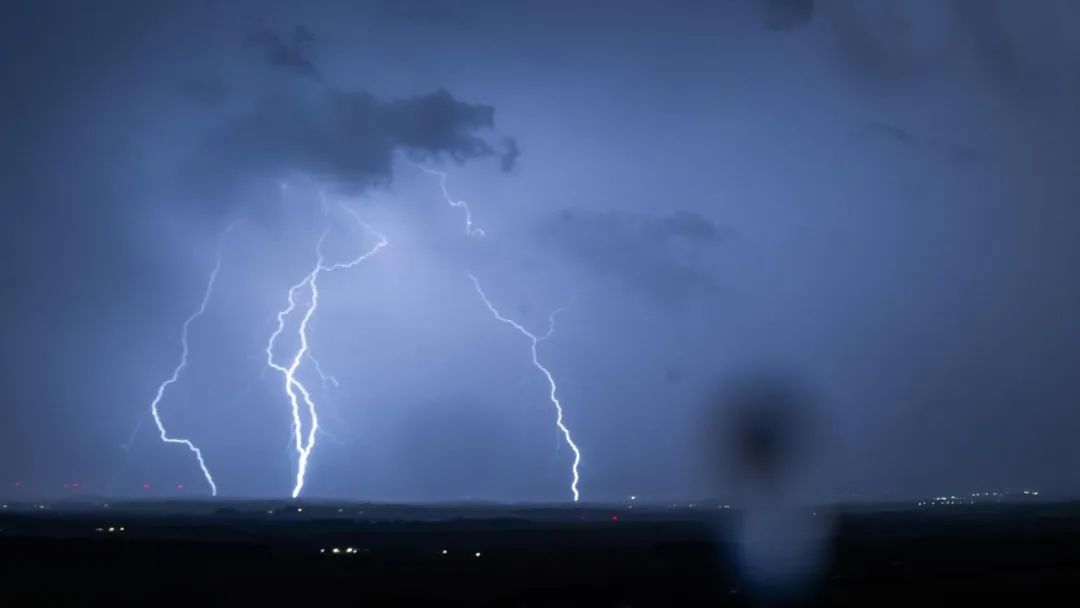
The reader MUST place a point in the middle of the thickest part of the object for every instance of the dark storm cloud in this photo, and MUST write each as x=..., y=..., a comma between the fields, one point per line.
x=957, y=154
x=346, y=137
x=433, y=124
x=786, y=14
x=883, y=130
x=892, y=42
x=423, y=12
x=1027, y=52
x=508, y=159
x=661, y=254
x=991, y=43
x=290, y=55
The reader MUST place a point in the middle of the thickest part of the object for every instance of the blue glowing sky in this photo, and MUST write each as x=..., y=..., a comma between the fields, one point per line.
x=880, y=201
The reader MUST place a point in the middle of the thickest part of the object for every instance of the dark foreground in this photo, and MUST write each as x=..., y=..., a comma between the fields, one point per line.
x=272, y=553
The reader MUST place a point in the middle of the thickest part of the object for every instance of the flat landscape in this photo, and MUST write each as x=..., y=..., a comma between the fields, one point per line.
x=477, y=554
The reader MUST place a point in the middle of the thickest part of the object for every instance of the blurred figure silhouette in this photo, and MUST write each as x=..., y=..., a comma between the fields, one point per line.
x=766, y=448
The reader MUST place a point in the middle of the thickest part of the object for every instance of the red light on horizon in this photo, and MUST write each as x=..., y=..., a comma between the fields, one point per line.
x=17, y=484
x=179, y=486
x=146, y=486
x=614, y=518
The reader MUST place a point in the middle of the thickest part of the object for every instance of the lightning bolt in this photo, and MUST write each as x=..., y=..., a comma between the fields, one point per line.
x=535, y=340
x=327, y=379
x=534, y=343
x=295, y=389
x=184, y=351
x=453, y=202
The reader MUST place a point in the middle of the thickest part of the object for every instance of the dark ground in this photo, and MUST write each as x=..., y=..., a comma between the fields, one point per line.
x=248, y=553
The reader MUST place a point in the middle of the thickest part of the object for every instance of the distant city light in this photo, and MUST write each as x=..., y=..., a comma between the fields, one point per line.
x=975, y=498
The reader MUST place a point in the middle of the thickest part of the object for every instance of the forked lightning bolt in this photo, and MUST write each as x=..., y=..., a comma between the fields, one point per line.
x=535, y=340
x=184, y=350
x=534, y=343
x=296, y=391
x=453, y=202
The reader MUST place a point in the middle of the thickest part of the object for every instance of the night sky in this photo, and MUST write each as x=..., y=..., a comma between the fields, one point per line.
x=874, y=201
